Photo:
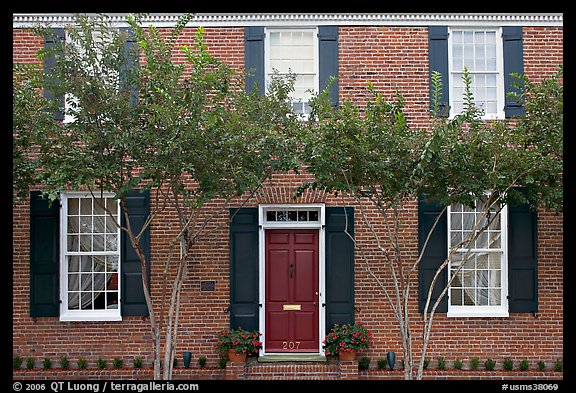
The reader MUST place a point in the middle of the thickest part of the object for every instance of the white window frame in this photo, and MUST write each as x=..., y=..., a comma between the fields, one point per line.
x=268, y=71
x=500, y=114
x=320, y=225
x=484, y=311
x=84, y=315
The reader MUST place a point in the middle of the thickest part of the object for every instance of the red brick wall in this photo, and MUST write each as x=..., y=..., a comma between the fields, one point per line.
x=390, y=58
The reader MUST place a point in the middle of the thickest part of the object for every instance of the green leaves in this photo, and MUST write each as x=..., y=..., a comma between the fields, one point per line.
x=374, y=152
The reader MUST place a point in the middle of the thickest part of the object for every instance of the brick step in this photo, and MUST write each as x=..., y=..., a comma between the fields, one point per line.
x=292, y=370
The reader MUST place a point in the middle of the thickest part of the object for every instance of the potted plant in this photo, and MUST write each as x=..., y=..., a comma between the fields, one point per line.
x=238, y=343
x=347, y=340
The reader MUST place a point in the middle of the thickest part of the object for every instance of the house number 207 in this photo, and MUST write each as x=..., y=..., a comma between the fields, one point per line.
x=290, y=344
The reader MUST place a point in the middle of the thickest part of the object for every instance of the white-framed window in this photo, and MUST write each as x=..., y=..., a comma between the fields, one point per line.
x=479, y=287
x=294, y=51
x=90, y=257
x=112, y=77
x=481, y=52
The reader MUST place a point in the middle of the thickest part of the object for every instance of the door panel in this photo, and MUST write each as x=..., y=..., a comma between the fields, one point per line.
x=291, y=298
x=279, y=283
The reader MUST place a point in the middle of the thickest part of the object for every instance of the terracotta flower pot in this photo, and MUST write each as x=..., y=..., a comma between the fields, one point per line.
x=347, y=355
x=235, y=356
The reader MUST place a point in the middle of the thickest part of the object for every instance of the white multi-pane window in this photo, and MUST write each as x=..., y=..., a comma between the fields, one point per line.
x=94, y=68
x=479, y=287
x=90, y=257
x=480, y=51
x=294, y=51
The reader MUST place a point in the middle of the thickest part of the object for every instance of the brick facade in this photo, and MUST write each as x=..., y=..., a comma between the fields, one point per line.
x=390, y=57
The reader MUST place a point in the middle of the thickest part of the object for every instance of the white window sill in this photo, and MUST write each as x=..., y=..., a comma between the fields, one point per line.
x=478, y=314
x=90, y=316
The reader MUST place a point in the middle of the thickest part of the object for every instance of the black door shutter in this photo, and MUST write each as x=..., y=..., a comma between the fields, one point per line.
x=131, y=53
x=339, y=266
x=328, y=59
x=244, y=297
x=50, y=89
x=522, y=259
x=438, y=61
x=254, y=58
x=513, y=63
x=44, y=256
x=435, y=253
x=133, y=301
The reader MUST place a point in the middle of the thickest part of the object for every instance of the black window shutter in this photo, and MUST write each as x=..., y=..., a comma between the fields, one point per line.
x=51, y=41
x=339, y=250
x=130, y=50
x=522, y=259
x=435, y=253
x=438, y=61
x=244, y=296
x=133, y=301
x=44, y=256
x=254, y=58
x=328, y=53
x=513, y=63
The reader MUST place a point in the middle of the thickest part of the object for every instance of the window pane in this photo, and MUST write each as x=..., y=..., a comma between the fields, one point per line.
x=112, y=300
x=98, y=243
x=274, y=38
x=494, y=260
x=73, y=263
x=99, y=205
x=73, y=243
x=495, y=298
x=457, y=281
x=111, y=225
x=73, y=282
x=469, y=297
x=456, y=298
x=73, y=206
x=86, y=206
x=86, y=224
x=73, y=225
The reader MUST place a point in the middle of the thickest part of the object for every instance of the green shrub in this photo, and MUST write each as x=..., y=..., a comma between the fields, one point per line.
x=508, y=364
x=30, y=362
x=16, y=362
x=46, y=363
x=101, y=363
x=364, y=363
x=426, y=363
x=202, y=361
x=441, y=363
x=82, y=363
x=474, y=363
x=64, y=363
x=458, y=364
x=137, y=362
x=489, y=364
x=382, y=363
x=117, y=362
x=558, y=365
x=523, y=365
x=541, y=365
x=222, y=363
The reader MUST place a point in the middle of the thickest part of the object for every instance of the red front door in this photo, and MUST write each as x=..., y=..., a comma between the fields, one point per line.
x=291, y=290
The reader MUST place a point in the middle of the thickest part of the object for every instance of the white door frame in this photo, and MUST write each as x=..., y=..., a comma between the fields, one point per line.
x=263, y=225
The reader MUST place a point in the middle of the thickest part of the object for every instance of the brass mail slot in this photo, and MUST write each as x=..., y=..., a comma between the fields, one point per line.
x=292, y=307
